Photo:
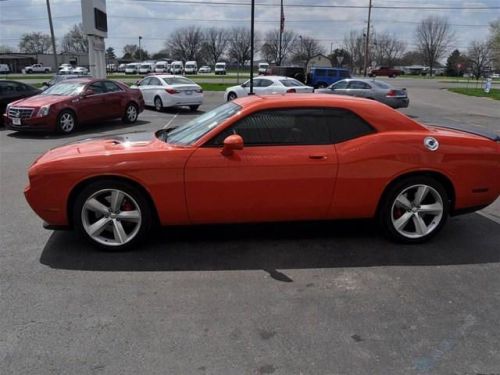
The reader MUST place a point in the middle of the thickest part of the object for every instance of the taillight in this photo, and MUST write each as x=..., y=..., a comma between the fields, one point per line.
x=392, y=93
x=172, y=91
x=291, y=90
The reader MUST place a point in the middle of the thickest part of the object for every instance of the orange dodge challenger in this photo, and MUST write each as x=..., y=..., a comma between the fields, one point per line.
x=276, y=158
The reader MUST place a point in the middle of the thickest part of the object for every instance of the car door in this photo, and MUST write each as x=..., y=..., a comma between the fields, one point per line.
x=146, y=93
x=153, y=88
x=286, y=170
x=91, y=107
x=338, y=88
x=268, y=87
x=358, y=88
x=114, y=99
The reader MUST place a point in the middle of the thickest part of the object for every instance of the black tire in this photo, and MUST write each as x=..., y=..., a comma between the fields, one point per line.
x=66, y=122
x=46, y=70
x=28, y=72
x=158, y=104
x=390, y=212
x=128, y=116
x=231, y=96
x=106, y=239
x=194, y=108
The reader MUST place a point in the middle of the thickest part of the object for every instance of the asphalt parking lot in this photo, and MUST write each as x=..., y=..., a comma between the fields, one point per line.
x=301, y=298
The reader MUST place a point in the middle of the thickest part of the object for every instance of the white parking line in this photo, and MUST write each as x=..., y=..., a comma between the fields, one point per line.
x=171, y=120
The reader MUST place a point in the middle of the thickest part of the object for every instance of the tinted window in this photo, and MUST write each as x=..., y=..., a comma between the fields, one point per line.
x=265, y=83
x=339, y=85
x=182, y=81
x=332, y=73
x=321, y=72
x=97, y=87
x=308, y=126
x=381, y=84
x=358, y=85
x=145, y=82
x=154, y=82
x=111, y=86
x=291, y=83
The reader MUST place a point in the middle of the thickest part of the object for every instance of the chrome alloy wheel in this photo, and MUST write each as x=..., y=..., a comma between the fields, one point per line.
x=131, y=113
x=158, y=104
x=417, y=211
x=66, y=122
x=111, y=217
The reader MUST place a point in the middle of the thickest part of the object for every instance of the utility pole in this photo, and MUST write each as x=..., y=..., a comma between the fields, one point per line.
x=367, y=40
x=54, y=52
x=282, y=28
x=140, y=49
x=252, y=22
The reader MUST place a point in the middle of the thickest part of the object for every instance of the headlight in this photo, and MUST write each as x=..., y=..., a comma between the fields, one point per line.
x=44, y=111
x=7, y=109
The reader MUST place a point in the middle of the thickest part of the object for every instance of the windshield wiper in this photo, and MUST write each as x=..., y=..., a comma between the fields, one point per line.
x=162, y=134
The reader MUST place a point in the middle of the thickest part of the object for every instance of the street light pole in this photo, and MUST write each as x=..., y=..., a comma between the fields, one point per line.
x=140, y=49
x=367, y=41
x=252, y=22
x=54, y=52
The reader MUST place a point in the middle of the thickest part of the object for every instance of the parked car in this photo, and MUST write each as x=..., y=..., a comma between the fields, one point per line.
x=220, y=68
x=285, y=158
x=80, y=70
x=59, y=78
x=268, y=85
x=146, y=68
x=4, y=69
x=132, y=68
x=75, y=102
x=263, y=68
x=161, y=67
x=384, y=71
x=163, y=91
x=121, y=68
x=111, y=68
x=324, y=77
x=370, y=89
x=65, y=70
x=176, y=67
x=191, y=67
x=10, y=91
x=37, y=68
x=205, y=69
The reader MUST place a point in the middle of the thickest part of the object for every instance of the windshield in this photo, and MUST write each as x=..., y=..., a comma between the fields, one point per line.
x=195, y=129
x=146, y=66
x=381, y=84
x=65, y=89
x=220, y=65
x=177, y=81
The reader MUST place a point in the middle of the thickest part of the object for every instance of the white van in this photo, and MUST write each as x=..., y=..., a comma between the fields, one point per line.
x=4, y=69
x=191, y=67
x=132, y=68
x=161, y=67
x=263, y=67
x=176, y=67
x=146, y=68
x=220, y=68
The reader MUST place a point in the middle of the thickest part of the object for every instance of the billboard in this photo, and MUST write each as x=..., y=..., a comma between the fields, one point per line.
x=94, y=18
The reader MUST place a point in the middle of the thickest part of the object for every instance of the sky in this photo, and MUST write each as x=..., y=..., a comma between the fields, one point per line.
x=154, y=20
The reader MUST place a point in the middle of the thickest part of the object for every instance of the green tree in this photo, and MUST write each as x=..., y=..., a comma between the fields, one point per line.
x=110, y=54
x=456, y=64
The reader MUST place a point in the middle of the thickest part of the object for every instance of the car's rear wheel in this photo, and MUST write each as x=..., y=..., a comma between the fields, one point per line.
x=158, y=104
x=231, y=96
x=66, y=122
x=131, y=114
x=194, y=108
x=414, y=209
x=112, y=215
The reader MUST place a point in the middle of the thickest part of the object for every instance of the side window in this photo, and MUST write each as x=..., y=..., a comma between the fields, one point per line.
x=97, y=87
x=345, y=125
x=321, y=72
x=265, y=83
x=280, y=127
x=145, y=82
x=154, y=81
x=358, y=85
x=111, y=86
x=340, y=85
x=332, y=73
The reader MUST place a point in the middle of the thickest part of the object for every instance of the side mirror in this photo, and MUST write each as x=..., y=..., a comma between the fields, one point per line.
x=243, y=85
x=232, y=143
x=88, y=92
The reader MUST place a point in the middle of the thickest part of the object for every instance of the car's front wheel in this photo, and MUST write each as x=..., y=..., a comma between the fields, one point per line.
x=113, y=215
x=414, y=209
x=231, y=96
x=131, y=114
x=66, y=122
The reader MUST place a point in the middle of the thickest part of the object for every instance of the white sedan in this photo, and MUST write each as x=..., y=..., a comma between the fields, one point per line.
x=205, y=69
x=268, y=85
x=163, y=91
x=80, y=70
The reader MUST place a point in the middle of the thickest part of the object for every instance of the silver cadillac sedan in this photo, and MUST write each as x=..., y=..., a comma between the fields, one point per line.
x=370, y=89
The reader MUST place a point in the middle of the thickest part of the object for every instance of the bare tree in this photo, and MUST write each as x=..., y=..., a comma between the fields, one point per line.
x=354, y=44
x=35, y=43
x=480, y=57
x=75, y=40
x=434, y=35
x=129, y=50
x=239, y=45
x=495, y=41
x=306, y=49
x=5, y=49
x=387, y=49
x=215, y=44
x=185, y=43
x=271, y=47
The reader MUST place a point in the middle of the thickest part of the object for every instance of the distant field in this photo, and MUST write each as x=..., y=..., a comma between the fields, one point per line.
x=493, y=94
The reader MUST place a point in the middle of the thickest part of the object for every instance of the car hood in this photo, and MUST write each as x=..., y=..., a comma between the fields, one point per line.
x=41, y=100
x=106, y=145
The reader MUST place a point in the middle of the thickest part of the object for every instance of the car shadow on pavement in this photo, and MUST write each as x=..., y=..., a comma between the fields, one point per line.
x=469, y=239
x=90, y=129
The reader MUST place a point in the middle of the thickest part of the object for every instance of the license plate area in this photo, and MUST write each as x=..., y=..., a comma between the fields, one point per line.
x=16, y=121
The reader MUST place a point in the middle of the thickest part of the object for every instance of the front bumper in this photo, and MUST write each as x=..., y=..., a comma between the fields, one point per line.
x=30, y=124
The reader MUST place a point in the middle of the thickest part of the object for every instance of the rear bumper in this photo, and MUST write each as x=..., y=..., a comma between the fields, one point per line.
x=31, y=124
x=397, y=102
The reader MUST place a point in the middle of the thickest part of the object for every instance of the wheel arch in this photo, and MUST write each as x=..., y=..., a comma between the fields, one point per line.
x=78, y=188
x=438, y=176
